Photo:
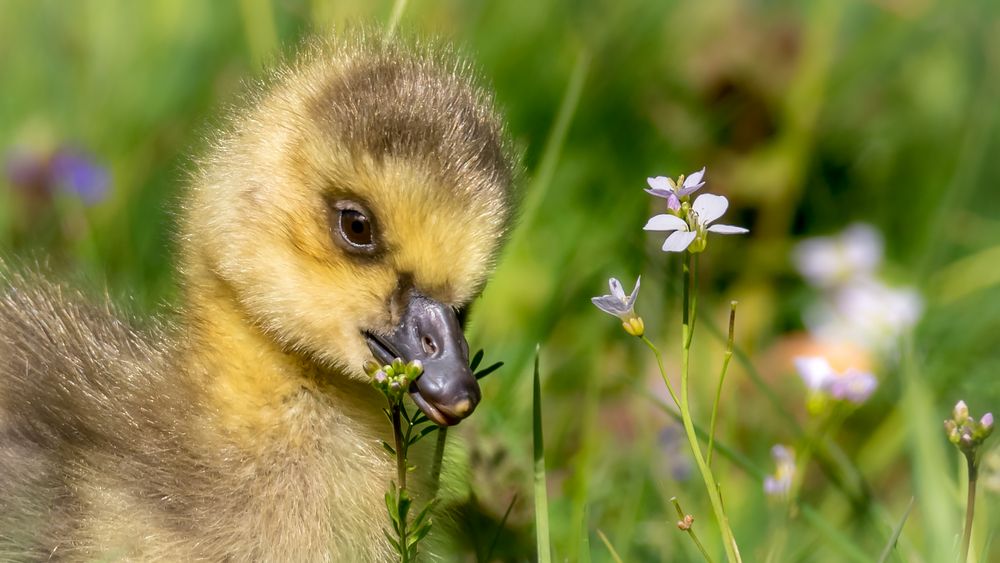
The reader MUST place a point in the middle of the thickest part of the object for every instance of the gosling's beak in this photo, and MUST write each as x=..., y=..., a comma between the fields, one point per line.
x=447, y=391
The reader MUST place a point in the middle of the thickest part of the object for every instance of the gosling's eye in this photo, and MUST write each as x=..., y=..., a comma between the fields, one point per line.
x=355, y=228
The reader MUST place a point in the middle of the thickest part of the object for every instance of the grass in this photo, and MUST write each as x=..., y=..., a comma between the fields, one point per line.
x=809, y=116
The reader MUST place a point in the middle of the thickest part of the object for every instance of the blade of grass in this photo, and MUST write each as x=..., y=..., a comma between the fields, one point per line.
x=541, y=495
x=607, y=543
x=554, y=144
x=397, y=14
x=895, y=534
x=503, y=522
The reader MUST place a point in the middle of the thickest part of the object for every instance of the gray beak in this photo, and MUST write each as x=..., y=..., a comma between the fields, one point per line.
x=430, y=332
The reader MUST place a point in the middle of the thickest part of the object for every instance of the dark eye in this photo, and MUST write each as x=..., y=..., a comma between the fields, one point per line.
x=355, y=228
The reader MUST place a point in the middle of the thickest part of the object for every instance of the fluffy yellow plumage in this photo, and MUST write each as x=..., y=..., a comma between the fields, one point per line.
x=360, y=197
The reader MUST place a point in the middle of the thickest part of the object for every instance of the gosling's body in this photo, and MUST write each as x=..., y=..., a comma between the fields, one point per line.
x=242, y=427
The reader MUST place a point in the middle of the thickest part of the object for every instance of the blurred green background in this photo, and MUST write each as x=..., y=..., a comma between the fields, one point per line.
x=809, y=116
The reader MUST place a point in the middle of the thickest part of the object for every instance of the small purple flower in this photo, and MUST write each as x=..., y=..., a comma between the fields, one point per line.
x=705, y=210
x=71, y=171
x=78, y=173
x=780, y=484
x=672, y=191
x=819, y=376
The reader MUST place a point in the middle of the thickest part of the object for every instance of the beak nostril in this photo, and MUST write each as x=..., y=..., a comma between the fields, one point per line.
x=430, y=347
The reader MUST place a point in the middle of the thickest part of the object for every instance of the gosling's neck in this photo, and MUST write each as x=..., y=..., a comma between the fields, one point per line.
x=252, y=386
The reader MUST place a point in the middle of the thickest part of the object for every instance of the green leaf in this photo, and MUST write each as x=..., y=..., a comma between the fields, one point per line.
x=392, y=540
x=419, y=520
x=420, y=418
x=500, y=527
x=404, y=504
x=895, y=534
x=388, y=448
x=417, y=535
x=541, y=495
x=390, y=505
x=421, y=434
x=476, y=360
x=488, y=370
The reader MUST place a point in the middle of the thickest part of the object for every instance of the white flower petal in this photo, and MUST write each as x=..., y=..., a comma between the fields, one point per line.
x=728, y=230
x=665, y=222
x=678, y=241
x=710, y=207
x=608, y=304
x=616, y=289
x=635, y=293
x=695, y=178
x=815, y=371
x=661, y=183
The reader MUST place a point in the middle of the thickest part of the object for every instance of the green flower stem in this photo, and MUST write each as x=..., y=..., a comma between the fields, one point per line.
x=690, y=530
x=729, y=541
x=663, y=372
x=970, y=504
x=397, y=433
x=722, y=377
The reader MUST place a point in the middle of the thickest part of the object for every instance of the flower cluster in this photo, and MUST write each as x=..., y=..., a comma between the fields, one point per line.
x=394, y=379
x=965, y=431
x=780, y=484
x=825, y=383
x=688, y=223
x=855, y=306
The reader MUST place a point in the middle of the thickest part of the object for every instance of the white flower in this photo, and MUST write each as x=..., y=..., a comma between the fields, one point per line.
x=706, y=209
x=820, y=377
x=672, y=191
x=780, y=483
x=828, y=261
x=618, y=304
x=866, y=312
x=622, y=306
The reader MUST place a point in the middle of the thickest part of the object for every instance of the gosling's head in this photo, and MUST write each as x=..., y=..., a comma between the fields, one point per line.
x=356, y=209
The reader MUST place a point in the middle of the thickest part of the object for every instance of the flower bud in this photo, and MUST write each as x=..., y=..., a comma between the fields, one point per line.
x=961, y=412
x=381, y=378
x=371, y=366
x=416, y=368
x=634, y=326
x=985, y=425
x=398, y=366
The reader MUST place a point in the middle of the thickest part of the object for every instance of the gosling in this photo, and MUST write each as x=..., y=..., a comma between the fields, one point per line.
x=350, y=212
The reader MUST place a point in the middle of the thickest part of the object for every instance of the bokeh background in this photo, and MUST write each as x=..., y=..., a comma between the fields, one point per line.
x=810, y=116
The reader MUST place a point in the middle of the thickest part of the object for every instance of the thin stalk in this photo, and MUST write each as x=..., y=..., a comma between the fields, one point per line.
x=729, y=542
x=397, y=433
x=722, y=377
x=442, y=439
x=663, y=371
x=611, y=549
x=690, y=530
x=970, y=504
